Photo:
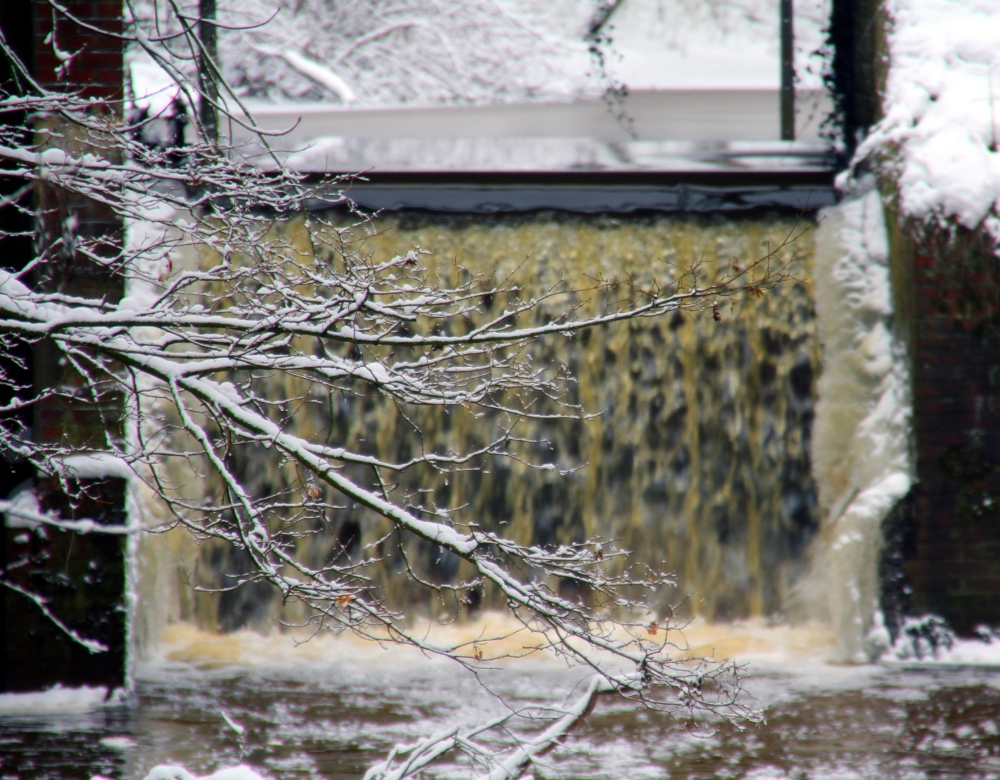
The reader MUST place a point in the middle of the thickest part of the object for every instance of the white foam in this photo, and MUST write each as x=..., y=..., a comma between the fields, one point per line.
x=782, y=659
x=498, y=634
x=118, y=743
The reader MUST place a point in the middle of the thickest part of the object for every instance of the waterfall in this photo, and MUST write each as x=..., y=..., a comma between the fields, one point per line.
x=706, y=458
x=861, y=446
x=698, y=461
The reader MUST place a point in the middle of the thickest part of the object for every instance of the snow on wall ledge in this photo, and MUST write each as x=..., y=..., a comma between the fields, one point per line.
x=942, y=111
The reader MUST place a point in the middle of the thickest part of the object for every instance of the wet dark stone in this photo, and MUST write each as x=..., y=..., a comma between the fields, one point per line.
x=801, y=378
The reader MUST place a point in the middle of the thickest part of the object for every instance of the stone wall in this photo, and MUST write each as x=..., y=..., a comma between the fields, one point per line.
x=942, y=542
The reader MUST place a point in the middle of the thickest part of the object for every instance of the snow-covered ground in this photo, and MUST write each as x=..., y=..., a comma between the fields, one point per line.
x=480, y=70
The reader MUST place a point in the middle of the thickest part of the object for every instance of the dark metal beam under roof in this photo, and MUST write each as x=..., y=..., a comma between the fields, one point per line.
x=588, y=193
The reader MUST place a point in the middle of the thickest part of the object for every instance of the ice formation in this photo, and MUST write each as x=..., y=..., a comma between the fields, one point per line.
x=862, y=431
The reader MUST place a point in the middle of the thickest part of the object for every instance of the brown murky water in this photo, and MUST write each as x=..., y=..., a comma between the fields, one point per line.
x=332, y=720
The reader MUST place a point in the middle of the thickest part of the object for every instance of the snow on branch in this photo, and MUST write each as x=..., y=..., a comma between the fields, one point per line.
x=325, y=76
x=20, y=516
x=91, y=645
x=406, y=761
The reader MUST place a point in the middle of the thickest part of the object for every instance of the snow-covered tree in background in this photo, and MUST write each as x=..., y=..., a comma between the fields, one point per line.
x=395, y=52
x=219, y=301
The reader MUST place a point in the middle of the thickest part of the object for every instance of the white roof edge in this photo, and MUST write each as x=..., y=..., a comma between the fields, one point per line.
x=261, y=107
x=707, y=129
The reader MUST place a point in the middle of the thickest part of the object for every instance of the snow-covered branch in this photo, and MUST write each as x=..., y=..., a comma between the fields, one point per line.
x=91, y=645
x=24, y=517
x=407, y=761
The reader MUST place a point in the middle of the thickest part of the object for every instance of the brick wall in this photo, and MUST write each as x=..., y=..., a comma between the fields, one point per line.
x=95, y=70
x=952, y=549
x=942, y=543
x=95, y=65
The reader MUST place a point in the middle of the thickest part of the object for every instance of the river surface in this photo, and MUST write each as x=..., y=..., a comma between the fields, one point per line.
x=333, y=715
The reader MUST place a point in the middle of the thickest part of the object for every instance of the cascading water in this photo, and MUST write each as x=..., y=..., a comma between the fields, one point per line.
x=701, y=461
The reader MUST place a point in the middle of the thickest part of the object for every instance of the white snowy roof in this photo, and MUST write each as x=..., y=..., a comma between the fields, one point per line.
x=650, y=130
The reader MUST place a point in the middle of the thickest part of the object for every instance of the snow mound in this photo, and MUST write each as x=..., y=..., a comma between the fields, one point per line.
x=930, y=640
x=942, y=110
x=55, y=700
x=169, y=772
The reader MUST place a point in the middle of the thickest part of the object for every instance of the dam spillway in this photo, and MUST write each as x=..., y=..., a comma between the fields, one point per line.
x=697, y=459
